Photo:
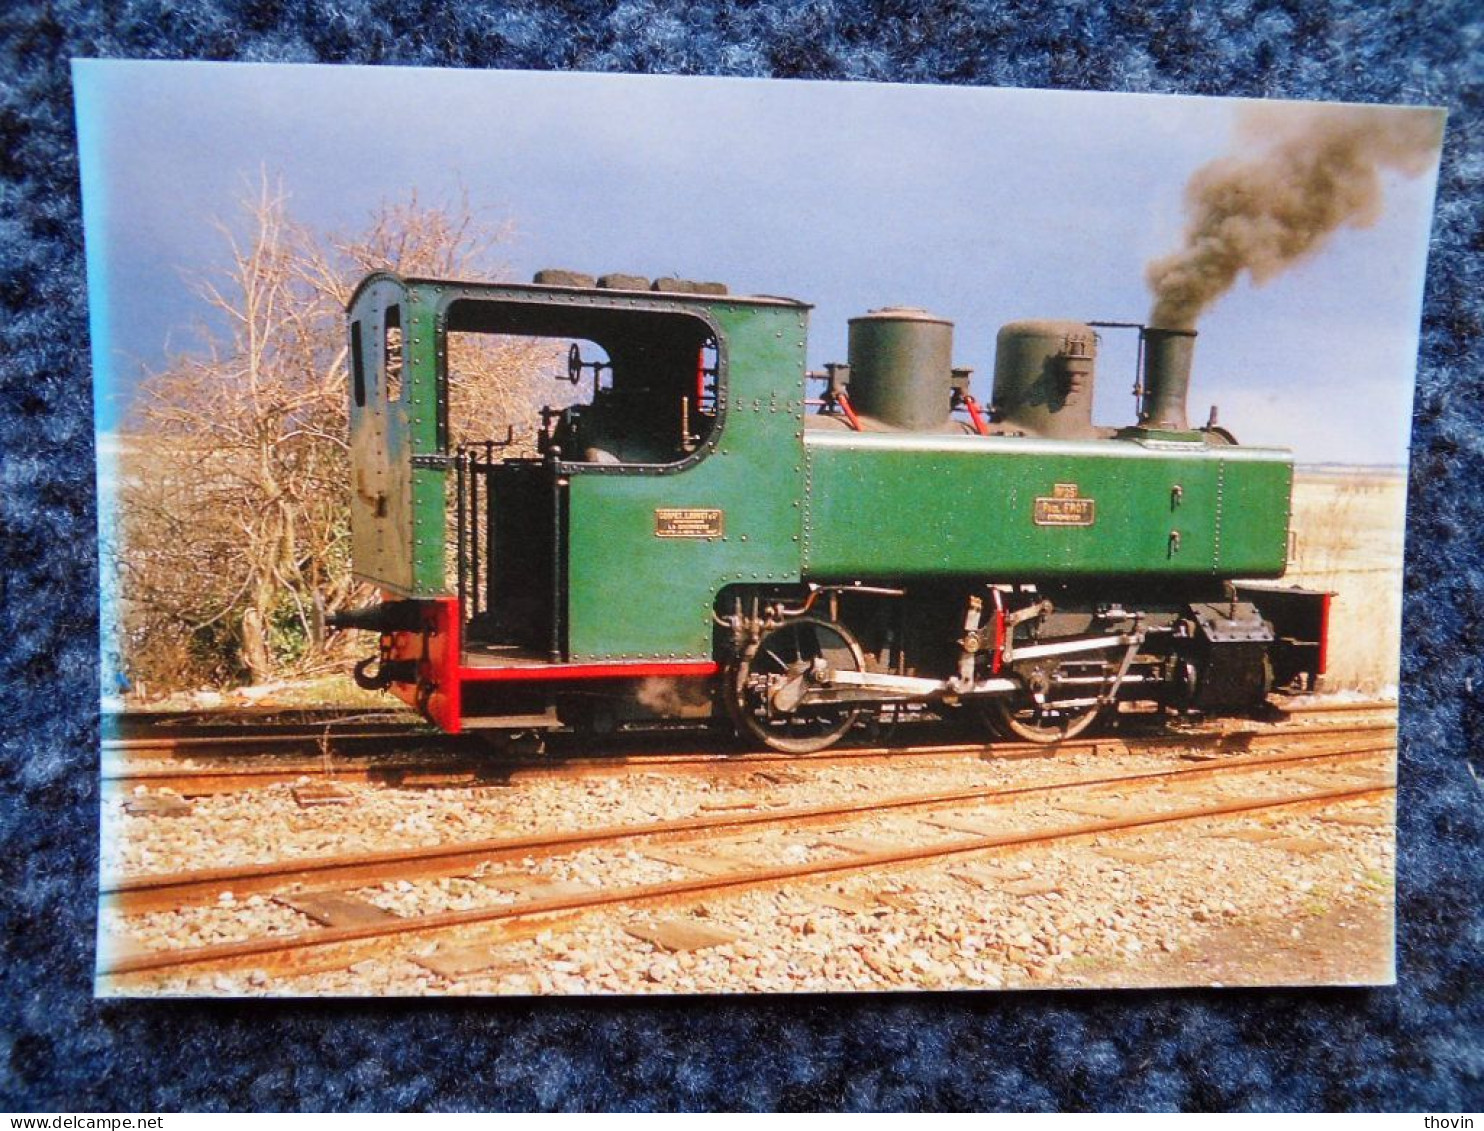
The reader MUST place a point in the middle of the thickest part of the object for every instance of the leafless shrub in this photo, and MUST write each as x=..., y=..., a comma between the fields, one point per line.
x=234, y=486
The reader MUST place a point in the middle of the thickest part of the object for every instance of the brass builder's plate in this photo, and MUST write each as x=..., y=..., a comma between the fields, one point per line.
x=689, y=522
x=1064, y=507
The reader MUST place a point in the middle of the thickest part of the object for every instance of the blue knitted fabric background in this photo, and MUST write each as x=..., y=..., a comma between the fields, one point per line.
x=1420, y=1045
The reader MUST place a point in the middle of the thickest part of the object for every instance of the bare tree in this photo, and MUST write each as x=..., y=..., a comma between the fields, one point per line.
x=235, y=489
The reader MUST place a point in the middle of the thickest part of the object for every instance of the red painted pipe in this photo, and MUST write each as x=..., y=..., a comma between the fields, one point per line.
x=843, y=400
x=973, y=406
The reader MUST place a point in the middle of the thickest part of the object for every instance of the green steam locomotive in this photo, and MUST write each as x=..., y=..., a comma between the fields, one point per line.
x=710, y=532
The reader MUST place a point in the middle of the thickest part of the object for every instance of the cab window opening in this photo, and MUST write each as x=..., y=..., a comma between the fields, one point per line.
x=392, y=353
x=582, y=385
x=357, y=365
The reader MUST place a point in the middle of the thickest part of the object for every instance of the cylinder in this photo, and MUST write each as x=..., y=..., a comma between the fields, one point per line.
x=1043, y=378
x=901, y=368
x=1167, y=357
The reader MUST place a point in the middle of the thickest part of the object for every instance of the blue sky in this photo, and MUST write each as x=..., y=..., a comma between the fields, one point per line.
x=982, y=205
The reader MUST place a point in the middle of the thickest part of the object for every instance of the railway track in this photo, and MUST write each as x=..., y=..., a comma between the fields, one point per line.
x=1338, y=707
x=268, y=738
x=130, y=723
x=244, y=762
x=341, y=944
x=178, y=731
x=126, y=725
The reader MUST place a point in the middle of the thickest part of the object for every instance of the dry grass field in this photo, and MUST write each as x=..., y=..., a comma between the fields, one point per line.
x=1349, y=526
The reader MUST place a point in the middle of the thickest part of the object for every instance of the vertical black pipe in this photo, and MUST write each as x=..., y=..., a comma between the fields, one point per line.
x=490, y=502
x=558, y=570
x=460, y=478
x=474, y=594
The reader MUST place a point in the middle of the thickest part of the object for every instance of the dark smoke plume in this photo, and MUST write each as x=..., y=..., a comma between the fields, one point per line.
x=1313, y=174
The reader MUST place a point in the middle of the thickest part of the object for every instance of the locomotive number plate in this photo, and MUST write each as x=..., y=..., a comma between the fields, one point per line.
x=689, y=522
x=1064, y=507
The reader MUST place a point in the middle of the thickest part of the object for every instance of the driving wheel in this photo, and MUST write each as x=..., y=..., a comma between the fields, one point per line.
x=1020, y=716
x=772, y=696
x=1028, y=721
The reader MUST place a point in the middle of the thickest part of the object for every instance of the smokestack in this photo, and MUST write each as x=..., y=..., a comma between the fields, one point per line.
x=1167, y=356
x=1308, y=175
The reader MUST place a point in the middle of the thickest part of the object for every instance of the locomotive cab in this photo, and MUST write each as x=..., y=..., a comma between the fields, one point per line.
x=512, y=553
x=641, y=393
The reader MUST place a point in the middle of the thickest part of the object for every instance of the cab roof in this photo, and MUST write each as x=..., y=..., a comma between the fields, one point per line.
x=493, y=291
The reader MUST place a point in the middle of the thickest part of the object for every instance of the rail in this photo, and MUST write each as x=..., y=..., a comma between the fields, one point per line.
x=141, y=894
x=474, y=533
